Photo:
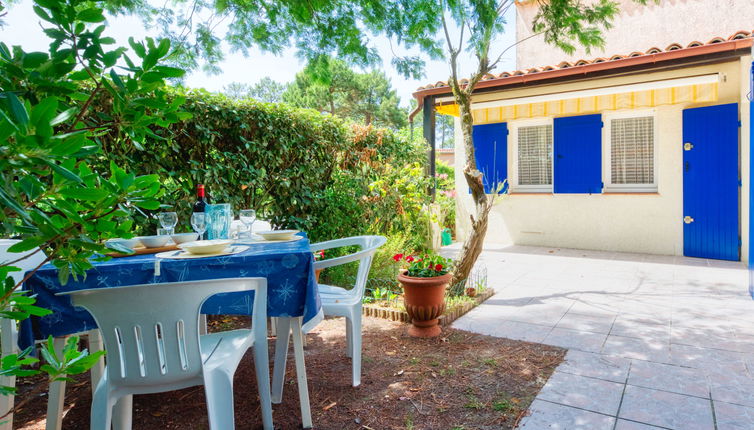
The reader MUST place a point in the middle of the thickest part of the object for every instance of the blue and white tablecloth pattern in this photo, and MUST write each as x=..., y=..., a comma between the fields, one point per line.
x=288, y=267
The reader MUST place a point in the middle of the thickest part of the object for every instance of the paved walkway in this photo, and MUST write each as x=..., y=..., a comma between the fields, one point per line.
x=653, y=341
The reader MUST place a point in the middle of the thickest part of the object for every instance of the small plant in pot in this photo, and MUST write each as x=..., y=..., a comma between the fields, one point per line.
x=424, y=284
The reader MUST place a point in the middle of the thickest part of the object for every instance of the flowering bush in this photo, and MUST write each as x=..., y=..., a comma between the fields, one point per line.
x=427, y=266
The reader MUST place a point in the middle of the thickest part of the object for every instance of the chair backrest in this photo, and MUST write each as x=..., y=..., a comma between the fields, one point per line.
x=151, y=331
x=368, y=246
x=26, y=264
x=7, y=326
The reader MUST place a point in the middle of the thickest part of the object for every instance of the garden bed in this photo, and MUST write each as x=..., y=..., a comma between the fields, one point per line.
x=460, y=380
x=389, y=311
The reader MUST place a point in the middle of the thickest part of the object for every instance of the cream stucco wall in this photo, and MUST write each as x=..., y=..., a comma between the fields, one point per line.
x=646, y=223
x=638, y=28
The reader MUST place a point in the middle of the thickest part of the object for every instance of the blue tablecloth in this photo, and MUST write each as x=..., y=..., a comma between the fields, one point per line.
x=288, y=267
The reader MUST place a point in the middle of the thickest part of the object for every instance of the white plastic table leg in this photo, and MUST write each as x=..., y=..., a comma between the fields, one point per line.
x=281, y=355
x=355, y=352
x=303, y=386
x=56, y=396
x=273, y=326
x=9, y=340
x=95, y=345
x=262, y=369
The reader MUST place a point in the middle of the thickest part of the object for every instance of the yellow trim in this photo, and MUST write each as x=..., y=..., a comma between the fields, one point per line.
x=697, y=93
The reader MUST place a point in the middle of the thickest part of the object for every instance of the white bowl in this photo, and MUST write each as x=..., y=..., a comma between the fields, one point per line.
x=214, y=246
x=277, y=234
x=184, y=237
x=128, y=243
x=154, y=241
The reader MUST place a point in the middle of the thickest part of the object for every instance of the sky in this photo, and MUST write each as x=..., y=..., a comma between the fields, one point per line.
x=23, y=28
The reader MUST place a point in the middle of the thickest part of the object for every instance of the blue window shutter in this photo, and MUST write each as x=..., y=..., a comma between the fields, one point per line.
x=491, y=149
x=577, y=144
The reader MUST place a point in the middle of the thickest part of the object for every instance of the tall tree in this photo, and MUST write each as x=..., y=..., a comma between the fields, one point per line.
x=266, y=90
x=334, y=88
x=346, y=28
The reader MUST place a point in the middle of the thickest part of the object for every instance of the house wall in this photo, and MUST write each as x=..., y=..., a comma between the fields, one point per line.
x=447, y=156
x=638, y=28
x=645, y=223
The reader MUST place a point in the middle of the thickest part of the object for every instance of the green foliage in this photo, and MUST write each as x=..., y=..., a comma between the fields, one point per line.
x=296, y=167
x=335, y=88
x=52, y=126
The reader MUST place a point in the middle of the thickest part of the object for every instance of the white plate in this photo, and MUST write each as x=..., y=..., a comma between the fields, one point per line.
x=247, y=241
x=180, y=255
x=203, y=247
x=277, y=234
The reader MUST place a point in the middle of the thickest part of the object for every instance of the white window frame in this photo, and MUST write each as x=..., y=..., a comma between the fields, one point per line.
x=607, y=174
x=513, y=173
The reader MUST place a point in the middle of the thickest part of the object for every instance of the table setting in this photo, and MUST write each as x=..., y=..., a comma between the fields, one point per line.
x=213, y=250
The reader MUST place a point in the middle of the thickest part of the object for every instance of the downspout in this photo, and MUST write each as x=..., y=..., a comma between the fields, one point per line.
x=751, y=174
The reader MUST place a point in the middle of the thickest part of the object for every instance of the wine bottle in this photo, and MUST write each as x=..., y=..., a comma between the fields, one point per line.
x=201, y=199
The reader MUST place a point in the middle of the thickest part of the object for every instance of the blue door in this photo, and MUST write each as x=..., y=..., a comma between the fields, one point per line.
x=710, y=182
x=491, y=151
x=578, y=154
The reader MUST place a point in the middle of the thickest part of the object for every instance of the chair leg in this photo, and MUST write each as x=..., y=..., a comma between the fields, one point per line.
x=123, y=413
x=262, y=368
x=202, y=324
x=218, y=386
x=102, y=408
x=8, y=341
x=281, y=355
x=95, y=344
x=56, y=395
x=355, y=326
x=303, y=386
x=349, y=338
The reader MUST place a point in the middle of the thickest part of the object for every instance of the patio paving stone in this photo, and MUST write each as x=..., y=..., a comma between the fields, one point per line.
x=664, y=409
x=633, y=425
x=575, y=339
x=733, y=417
x=676, y=379
x=642, y=349
x=598, y=366
x=546, y=415
x=592, y=394
x=590, y=323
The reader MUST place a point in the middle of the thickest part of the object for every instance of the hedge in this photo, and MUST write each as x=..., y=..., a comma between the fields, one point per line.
x=298, y=168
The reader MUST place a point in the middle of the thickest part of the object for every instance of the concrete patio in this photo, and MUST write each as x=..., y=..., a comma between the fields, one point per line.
x=654, y=341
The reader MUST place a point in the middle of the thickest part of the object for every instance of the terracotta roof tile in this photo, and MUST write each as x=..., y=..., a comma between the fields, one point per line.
x=742, y=34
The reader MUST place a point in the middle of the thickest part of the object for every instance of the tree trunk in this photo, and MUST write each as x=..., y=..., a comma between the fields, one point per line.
x=472, y=246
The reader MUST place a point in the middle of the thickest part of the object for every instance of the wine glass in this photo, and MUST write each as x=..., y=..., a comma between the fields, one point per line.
x=199, y=223
x=247, y=217
x=168, y=220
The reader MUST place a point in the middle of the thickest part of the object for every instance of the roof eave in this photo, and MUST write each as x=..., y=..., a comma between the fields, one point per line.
x=616, y=65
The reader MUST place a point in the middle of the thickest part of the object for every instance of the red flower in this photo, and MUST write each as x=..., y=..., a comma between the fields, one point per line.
x=410, y=258
x=397, y=257
x=438, y=267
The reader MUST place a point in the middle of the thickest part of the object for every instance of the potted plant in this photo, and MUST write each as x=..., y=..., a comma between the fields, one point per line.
x=424, y=284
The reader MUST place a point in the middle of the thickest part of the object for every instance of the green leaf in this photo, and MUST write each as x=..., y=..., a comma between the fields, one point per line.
x=91, y=15
x=64, y=116
x=17, y=109
x=170, y=72
x=88, y=194
x=44, y=111
x=62, y=171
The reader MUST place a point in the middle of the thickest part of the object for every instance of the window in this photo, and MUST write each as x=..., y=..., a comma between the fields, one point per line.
x=631, y=150
x=534, y=157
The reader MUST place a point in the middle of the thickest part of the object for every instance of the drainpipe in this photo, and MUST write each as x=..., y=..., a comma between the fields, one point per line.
x=751, y=175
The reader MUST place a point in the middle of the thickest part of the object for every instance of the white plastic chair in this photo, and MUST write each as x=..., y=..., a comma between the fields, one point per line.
x=151, y=335
x=337, y=301
x=9, y=331
x=8, y=328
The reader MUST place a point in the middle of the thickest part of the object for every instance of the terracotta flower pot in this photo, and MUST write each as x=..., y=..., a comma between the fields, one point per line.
x=424, y=299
